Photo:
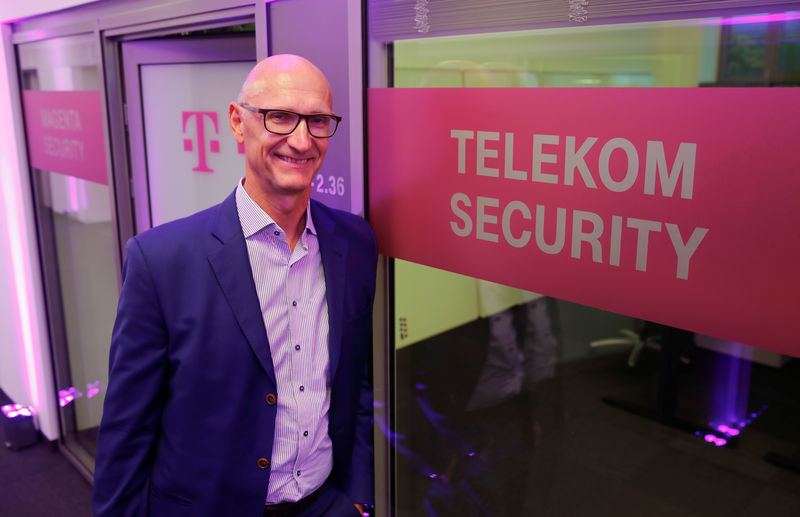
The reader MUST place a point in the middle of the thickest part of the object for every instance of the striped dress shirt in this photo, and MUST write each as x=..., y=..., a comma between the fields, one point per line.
x=291, y=291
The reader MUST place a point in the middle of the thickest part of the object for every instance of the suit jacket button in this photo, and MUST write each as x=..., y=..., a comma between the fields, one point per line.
x=263, y=463
x=271, y=399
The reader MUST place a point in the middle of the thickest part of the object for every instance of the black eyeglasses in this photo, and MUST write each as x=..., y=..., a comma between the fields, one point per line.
x=284, y=122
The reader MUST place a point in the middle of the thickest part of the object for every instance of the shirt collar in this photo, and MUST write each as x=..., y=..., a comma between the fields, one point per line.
x=253, y=218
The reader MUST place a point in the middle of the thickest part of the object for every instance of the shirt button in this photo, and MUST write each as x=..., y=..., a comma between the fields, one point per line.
x=271, y=399
x=277, y=232
x=302, y=388
x=298, y=473
x=305, y=433
x=297, y=347
x=263, y=463
x=294, y=303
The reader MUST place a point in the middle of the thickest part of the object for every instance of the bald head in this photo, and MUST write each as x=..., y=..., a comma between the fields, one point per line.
x=284, y=72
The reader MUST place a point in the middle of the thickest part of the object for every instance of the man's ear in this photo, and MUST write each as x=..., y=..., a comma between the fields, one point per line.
x=236, y=122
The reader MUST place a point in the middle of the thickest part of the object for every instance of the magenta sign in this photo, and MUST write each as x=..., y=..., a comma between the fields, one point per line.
x=677, y=206
x=65, y=133
x=199, y=141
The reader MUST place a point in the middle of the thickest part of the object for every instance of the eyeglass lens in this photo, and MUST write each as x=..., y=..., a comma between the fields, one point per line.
x=284, y=122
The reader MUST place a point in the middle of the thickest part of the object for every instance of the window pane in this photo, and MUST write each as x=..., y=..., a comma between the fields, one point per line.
x=514, y=403
x=746, y=50
x=789, y=47
x=77, y=241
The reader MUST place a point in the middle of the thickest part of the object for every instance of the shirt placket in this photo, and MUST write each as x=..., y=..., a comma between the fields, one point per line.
x=299, y=349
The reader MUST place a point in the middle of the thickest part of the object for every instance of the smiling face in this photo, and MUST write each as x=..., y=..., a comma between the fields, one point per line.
x=280, y=168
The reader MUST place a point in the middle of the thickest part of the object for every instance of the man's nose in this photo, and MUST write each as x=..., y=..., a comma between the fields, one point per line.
x=300, y=138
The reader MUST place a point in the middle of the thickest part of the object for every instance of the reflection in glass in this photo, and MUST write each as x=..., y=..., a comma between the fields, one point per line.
x=789, y=47
x=77, y=242
x=509, y=403
x=746, y=50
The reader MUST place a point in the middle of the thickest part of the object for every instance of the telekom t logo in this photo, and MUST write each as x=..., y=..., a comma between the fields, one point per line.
x=200, y=137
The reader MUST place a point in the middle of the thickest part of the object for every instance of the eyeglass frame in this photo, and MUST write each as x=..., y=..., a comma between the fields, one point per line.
x=300, y=117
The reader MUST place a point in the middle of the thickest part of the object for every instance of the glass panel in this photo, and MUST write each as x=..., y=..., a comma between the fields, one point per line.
x=640, y=54
x=185, y=110
x=516, y=404
x=78, y=244
x=789, y=47
x=746, y=50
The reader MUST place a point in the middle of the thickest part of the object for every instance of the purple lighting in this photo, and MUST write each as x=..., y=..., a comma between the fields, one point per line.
x=68, y=395
x=73, y=194
x=15, y=410
x=716, y=440
x=92, y=389
x=22, y=280
x=730, y=431
x=755, y=18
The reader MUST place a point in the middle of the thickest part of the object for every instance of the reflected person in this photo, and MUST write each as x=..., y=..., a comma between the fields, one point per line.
x=240, y=356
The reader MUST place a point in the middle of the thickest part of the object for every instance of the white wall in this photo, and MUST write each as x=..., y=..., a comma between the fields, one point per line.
x=13, y=10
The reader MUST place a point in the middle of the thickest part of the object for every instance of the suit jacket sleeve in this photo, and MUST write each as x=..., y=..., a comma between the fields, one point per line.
x=361, y=479
x=136, y=393
x=360, y=482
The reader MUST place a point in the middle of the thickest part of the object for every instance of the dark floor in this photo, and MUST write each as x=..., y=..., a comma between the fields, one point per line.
x=38, y=481
x=554, y=450
x=557, y=449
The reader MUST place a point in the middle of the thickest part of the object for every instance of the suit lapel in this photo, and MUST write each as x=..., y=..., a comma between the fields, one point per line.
x=334, y=260
x=231, y=265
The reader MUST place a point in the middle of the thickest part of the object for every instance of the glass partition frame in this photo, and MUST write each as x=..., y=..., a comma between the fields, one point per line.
x=86, y=204
x=382, y=59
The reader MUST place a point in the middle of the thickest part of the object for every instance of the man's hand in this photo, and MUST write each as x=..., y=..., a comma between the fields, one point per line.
x=360, y=508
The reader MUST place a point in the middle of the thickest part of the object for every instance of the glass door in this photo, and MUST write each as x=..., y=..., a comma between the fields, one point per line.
x=60, y=79
x=183, y=157
x=508, y=402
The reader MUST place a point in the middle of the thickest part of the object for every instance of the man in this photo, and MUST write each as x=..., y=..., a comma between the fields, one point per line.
x=239, y=379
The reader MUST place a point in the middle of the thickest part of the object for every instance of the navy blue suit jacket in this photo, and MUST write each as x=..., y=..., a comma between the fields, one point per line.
x=186, y=419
